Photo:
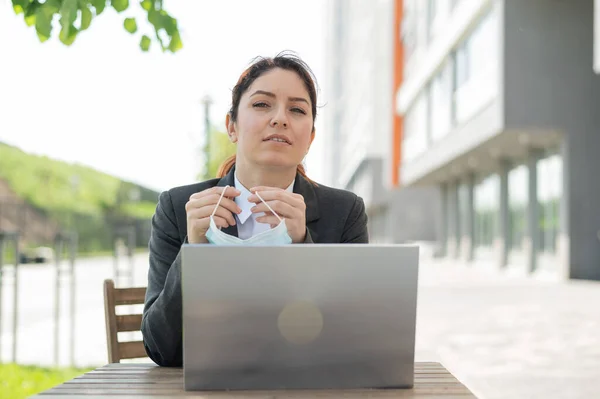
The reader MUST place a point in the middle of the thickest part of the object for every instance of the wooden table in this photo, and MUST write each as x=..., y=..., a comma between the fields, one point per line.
x=128, y=380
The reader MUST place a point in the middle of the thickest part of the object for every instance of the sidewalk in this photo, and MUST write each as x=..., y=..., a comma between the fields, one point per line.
x=510, y=337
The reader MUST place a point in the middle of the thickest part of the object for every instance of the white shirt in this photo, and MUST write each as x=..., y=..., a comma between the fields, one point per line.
x=247, y=226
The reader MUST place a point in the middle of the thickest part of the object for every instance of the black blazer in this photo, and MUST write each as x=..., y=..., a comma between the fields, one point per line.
x=332, y=216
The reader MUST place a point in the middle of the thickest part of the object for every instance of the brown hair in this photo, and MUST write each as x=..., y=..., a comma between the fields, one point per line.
x=260, y=66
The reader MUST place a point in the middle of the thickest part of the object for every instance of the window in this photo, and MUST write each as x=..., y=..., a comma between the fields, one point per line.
x=476, y=69
x=408, y=29
x=441, y=103
x=415, y=129
x=454, y=3
x=549, y=191
x=432, y=12
x=518, y=198
x=461, y=70
x=486, y=202
x=437, y=13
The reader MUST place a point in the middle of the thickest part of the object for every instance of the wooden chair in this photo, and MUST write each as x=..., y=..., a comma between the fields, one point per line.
x=114, y=297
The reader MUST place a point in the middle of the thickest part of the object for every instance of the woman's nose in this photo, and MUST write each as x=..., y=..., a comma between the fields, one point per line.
x=279, y=119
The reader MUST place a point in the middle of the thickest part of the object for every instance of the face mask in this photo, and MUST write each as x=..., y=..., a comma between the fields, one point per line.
x=276, y=236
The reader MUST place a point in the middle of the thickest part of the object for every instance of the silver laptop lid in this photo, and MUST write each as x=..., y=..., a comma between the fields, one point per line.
x=299, y=316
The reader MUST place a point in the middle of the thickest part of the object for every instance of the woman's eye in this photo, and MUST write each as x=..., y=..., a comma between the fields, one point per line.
x=261, y=105
x=299, y=110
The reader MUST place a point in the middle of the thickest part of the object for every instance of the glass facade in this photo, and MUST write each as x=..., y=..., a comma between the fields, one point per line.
x=549, y=193
x=476, y=71
x=408, y=29
x=441, y=103
x=415, y=129
x=466, y=81
x=518, y=198
x=487, y=207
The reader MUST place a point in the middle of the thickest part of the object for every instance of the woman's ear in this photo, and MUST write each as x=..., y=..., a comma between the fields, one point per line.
x=231, y=131
x=312, y=137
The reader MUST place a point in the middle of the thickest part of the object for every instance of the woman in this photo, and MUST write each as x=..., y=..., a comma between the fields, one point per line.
x=261, y=191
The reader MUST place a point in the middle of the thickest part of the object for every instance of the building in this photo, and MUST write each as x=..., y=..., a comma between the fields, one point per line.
x=361, y=123
x=499, y=104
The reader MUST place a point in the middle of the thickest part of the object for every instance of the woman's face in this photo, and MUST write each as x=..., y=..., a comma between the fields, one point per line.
x=275, y=122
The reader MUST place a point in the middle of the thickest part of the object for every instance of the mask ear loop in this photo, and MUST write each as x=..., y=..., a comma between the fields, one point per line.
x=219, y=202
x=271, y=209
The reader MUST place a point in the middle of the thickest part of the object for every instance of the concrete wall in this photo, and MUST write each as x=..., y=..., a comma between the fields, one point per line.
x=399, y=215
x=415, y=214
x=550, y=84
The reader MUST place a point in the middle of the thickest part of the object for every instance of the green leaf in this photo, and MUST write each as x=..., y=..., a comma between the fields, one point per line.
x=130, y=25
x=120, y=5
x=19, y=6
x=30, y=10
x=52, y=6
x=43, y=23
x=145, y=43
x=86, y=17
x=68, y=15
x=146, y=4
x=175, y=43
x=68, y=36
x=99, y=5
x=30, y=20
x=169, y=23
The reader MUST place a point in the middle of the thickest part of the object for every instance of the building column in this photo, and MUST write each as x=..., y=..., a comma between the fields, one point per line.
x=532, y=242
x=503, y=243
x=443, y=220
x=563, y=244
x=452, y=212
x=468, y=223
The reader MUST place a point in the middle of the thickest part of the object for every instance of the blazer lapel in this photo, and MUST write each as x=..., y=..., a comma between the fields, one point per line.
x=307, y=190
x=228, y=180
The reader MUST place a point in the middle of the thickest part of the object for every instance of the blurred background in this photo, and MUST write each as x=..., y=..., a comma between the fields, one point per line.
x=469, y=127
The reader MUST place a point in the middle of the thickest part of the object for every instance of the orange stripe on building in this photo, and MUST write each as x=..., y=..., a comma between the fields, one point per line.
x=398, y=77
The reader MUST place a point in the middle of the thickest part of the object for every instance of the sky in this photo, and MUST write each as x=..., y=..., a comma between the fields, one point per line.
x=104, y=103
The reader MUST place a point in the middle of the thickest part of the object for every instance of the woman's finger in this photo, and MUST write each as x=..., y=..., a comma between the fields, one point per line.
x=279, y=195
x=230, y=192
x=268, y=219
x=213, y=200
x=206, y=211
x=281, y=208
x=220, y=222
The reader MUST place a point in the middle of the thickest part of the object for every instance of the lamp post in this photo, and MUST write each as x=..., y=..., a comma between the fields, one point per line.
x=207, y=102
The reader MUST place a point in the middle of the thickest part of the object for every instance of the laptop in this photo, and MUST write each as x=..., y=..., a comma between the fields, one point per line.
x=315, y=316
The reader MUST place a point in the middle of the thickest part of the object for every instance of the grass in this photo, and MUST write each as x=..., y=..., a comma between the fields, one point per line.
x=17, y=382
x=59, y=187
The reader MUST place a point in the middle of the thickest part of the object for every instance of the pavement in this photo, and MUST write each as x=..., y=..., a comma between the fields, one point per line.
x=500, y=333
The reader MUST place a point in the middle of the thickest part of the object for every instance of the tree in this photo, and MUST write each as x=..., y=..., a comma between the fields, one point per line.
x=219, y=149
x=75, y=16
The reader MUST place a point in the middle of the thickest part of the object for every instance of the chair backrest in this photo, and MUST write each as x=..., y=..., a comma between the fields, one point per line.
x=114, y=297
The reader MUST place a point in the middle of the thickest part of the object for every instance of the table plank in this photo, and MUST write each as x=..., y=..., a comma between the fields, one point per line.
x=146, y=380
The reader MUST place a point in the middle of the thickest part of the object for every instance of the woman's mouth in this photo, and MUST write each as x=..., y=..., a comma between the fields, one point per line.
x=278, y=139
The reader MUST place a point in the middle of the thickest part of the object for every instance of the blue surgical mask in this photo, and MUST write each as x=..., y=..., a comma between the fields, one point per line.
x=275, y=236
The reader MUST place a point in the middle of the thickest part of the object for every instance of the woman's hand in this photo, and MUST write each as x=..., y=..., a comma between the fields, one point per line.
x=287, y=205
x=201, y=205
